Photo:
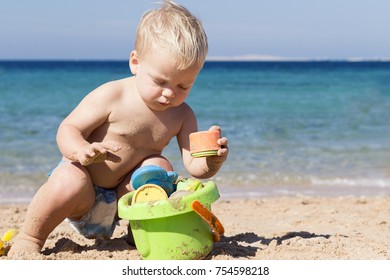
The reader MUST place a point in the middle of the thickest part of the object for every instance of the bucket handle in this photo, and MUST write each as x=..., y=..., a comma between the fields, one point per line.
x=214, y=223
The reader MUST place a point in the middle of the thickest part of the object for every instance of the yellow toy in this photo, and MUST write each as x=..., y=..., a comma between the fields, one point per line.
x=6, y=238
x=149, y=192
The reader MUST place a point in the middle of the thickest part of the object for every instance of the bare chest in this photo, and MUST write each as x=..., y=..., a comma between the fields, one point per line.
x=144, y=131
x=139, y=133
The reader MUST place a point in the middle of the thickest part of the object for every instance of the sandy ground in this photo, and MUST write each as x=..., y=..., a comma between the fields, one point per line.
x=303, y=228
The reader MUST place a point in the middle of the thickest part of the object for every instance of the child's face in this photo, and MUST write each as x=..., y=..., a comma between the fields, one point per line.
x=159, y=83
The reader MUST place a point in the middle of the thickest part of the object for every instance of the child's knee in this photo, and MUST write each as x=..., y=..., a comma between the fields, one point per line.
x=70, y=180
x=158, y=160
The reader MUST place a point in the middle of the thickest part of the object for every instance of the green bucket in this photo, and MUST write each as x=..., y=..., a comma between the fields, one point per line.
x=169, y=229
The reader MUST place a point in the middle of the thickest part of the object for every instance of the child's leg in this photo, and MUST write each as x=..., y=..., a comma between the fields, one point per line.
x=67, y=193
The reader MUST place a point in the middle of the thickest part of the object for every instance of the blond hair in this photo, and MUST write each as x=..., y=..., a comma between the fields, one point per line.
x=174, y=27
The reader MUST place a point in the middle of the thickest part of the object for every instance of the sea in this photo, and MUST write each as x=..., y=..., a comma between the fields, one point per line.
x=313, y=128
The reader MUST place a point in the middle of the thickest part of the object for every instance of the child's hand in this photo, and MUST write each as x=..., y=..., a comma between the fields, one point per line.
x=98, y=152
x=223, y=142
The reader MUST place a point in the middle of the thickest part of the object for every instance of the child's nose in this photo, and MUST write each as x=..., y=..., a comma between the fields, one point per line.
x=168, y=93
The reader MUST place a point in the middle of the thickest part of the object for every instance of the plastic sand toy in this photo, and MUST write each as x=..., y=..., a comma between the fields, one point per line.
x=204, y=143
x=177, y=228
x=5, y=239
x=156, y=175
x=149, y=192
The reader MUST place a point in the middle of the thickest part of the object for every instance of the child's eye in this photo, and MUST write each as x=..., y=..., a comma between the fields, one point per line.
x=183, y=87
x=159, y=83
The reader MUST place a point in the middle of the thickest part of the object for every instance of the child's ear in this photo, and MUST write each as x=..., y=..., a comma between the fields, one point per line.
x=134, y=62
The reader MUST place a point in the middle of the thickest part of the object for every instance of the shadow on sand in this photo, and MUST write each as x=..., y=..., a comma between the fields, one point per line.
x=67, y=245
x=240, y=245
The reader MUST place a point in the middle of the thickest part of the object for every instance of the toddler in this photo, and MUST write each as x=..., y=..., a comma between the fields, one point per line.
x=121, y=126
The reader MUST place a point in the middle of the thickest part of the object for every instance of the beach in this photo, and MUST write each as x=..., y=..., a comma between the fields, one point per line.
x=269, y=228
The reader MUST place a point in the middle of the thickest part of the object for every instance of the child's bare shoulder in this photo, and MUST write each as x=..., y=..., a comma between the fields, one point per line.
x=111, y=91
x=186, y=110
x=114, y=88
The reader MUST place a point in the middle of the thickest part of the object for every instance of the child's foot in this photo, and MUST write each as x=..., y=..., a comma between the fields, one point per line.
x=25, y=244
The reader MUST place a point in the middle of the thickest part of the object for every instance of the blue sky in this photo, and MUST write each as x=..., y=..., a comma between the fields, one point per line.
x=97, y=29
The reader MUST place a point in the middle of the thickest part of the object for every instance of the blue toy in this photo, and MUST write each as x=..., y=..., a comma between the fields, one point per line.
x=157, y=175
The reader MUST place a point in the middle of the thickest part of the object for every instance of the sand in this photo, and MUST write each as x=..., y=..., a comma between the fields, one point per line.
x=299, y=228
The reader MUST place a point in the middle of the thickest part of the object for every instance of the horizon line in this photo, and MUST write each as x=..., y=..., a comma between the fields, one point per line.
x=236, y=58
x=273, y=58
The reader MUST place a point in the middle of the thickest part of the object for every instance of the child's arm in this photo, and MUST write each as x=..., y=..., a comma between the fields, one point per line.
x=92, y=112
x=204, y=167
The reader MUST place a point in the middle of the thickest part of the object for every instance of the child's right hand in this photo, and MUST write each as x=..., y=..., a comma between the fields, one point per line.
x=98, y=152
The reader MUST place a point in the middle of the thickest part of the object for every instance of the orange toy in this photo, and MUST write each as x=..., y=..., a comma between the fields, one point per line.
x=216, y=226
x=204, y=143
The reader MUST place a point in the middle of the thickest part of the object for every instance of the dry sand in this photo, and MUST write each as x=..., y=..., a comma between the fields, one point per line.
x=303, y=228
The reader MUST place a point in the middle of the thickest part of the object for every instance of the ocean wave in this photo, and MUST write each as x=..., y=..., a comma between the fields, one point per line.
x=352, y=182
x=295, y=181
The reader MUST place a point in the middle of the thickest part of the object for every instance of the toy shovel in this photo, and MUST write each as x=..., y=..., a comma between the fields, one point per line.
x=210, y=218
